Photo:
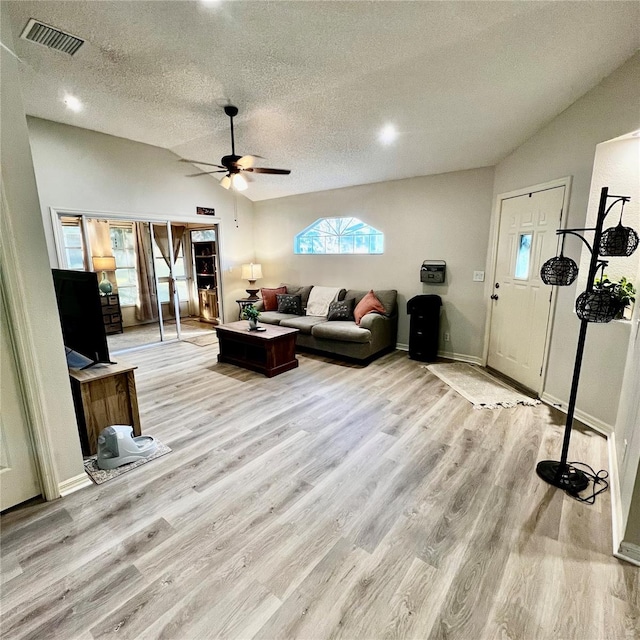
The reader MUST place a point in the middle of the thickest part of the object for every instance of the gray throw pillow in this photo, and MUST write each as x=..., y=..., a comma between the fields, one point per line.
x=341, y=309
x=288, y=303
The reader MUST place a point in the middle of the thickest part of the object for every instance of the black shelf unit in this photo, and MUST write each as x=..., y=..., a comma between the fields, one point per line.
x=424, y=327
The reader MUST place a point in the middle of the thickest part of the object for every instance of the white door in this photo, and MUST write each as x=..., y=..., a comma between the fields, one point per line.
x=18, y=476
x=521, y=301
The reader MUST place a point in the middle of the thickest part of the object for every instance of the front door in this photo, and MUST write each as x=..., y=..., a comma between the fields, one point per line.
x=18, y=477
x=521, y=301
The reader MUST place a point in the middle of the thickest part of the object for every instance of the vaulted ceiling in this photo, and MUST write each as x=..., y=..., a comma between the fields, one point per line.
x=463, y=83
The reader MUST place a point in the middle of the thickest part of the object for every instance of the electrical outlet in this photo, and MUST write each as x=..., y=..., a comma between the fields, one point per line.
x=478, y=276
x=446, y=337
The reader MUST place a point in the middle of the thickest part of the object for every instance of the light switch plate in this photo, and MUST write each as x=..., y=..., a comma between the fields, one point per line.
x=478, y=276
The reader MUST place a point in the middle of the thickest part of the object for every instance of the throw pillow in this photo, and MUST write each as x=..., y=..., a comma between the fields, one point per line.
x=269, y=297
x=368, y=304
x=341, y=309
x=289, y=304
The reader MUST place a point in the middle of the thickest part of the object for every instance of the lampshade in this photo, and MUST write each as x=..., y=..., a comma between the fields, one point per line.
x=251, y=271
x=618, y=241
x=104, y=263
x=225, y=183
x=559, y=271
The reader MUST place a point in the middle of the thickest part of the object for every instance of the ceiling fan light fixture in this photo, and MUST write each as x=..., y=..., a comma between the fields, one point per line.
x=238, y=182
x=225, y=183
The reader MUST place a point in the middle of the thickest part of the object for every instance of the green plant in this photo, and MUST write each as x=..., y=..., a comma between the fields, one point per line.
x=250, y=313
x=623, y=290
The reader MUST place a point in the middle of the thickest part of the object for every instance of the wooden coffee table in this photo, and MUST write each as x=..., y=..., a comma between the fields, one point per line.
x=271, y=352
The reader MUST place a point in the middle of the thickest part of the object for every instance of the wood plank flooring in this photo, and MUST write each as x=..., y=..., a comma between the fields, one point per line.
x=332, y=501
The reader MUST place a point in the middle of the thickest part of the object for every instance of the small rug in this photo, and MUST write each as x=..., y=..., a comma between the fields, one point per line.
x=479, y=387
x=204, y=340
x=103, y=475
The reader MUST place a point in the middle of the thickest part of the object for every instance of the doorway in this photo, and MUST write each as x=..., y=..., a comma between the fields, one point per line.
x=520, y=302
x=149, y=273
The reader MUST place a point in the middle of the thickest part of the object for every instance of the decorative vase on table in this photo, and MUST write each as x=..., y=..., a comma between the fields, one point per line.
x=253, y=324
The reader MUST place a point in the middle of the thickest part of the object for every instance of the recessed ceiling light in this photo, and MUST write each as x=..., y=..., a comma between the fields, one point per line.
x=72, y=103
x=388, y=134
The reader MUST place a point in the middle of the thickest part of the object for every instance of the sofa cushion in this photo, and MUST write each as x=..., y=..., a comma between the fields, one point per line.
x=269, y=297
x=273, y=317
x=345, y=330
x=297, y=290
x=388, y=298
x=304, y=323
x=288, y=303
x=341, y=310
x=368, y=304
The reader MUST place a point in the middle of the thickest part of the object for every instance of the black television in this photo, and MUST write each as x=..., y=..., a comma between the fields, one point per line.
x=80, y=312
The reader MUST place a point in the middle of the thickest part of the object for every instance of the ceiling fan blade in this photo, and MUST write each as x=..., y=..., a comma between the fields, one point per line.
x=205, y=173
x=284, y=172
x=246, y=162
x=208, y=164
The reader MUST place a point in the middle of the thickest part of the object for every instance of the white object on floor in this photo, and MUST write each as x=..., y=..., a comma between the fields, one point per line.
x=319, y=300
x=479, y=387
x=117, y=446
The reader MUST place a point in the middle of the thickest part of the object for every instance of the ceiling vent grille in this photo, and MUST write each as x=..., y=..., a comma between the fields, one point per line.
x=51, y=37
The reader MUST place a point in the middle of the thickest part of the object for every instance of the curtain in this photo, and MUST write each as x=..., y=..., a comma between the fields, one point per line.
x=147, y=306
x=160, y=235
x=162, y=242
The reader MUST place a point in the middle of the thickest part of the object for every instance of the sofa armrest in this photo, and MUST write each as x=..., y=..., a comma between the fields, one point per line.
x=374, y=322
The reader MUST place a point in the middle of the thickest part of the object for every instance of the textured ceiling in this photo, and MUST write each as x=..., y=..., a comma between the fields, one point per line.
x=464, y=82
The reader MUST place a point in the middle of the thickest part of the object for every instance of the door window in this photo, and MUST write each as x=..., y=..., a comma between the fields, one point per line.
x=523, y=256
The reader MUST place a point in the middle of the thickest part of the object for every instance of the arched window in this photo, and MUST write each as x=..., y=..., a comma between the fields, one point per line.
x=339, y=235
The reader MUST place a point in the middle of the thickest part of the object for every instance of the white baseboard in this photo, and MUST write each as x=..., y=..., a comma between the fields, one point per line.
x=460, y=357
x=629, y=553
x=74, y=484
x=595, y=423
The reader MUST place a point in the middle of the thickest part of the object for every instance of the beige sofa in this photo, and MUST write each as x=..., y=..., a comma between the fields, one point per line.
x=375, y=335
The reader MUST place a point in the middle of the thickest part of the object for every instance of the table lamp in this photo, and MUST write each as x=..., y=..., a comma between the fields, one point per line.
x=252, y=272
x=104, y=264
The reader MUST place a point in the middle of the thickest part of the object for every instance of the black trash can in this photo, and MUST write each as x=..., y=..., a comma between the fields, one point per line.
x=424, y=327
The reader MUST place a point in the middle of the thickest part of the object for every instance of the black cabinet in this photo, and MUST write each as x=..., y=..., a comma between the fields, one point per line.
x=424, y=327
x=111, y=313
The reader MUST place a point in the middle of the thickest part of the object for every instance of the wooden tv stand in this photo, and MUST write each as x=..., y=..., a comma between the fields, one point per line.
x=103, y=395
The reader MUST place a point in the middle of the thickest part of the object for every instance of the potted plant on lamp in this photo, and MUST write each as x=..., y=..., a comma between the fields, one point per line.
x=251, y=314
x=622, y=291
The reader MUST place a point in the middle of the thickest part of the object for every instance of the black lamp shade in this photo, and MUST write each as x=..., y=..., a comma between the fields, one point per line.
x=618, y=241
x=597, y=305
x=559, y=271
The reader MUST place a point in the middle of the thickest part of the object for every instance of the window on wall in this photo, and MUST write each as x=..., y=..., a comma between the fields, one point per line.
x=339, y=235
x=73, y=245
x=122, y=245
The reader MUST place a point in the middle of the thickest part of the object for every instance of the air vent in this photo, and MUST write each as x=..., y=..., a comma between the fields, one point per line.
x=51, y=37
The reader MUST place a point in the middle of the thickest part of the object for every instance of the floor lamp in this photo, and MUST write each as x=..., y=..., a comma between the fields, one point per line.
x=593, y=305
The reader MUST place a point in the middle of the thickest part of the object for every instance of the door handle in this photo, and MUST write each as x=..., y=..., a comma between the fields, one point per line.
x=494, y=297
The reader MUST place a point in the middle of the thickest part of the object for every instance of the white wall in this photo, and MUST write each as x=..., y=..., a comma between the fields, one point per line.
x=617, y=166
x=566, y=146
x=89, y=171
x=441, y=217
x=31, y=299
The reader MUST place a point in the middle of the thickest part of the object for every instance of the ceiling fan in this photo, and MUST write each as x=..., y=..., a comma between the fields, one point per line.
x=234, y=166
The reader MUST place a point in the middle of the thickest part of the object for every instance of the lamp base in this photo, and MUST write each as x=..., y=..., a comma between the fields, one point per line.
x=569, y=479
x=252, y=294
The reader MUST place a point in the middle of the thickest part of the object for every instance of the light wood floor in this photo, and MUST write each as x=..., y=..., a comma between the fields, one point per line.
x=331, y=501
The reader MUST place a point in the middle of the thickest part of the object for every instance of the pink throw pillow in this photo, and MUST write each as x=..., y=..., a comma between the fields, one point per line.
x=368, y=304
